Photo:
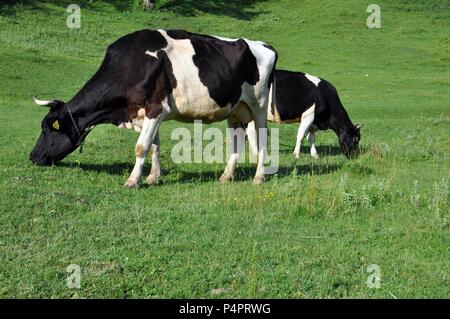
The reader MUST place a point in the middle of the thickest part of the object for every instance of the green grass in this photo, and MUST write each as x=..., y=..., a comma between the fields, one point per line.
x=310, y=231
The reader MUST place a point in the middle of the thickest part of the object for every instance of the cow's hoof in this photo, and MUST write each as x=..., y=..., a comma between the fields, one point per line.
x=152, y=180
x=315, y=156
x=297, y=155
x=131, y=183
x=258, y=180
x=224, y=179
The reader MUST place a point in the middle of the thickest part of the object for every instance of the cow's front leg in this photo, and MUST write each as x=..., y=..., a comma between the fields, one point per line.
x=155, y=172
x=237, y=134
x=149, y=130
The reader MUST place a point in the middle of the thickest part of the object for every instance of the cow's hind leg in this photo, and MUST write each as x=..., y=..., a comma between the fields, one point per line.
x=155, y=172
x=149, y=130
x=237, y=134
x=305, y=124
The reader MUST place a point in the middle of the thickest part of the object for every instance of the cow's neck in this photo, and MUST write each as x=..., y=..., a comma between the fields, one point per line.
x=93, y=105
x=339, y=120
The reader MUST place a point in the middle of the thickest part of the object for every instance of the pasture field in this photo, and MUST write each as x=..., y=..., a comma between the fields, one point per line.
x=310, y=231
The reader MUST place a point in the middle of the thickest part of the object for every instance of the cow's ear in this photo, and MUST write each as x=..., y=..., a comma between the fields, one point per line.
x=359, y=126
x=51, y=104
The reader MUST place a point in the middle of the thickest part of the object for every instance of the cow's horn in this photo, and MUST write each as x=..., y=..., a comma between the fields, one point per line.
x=359, y=126
x=42, y=102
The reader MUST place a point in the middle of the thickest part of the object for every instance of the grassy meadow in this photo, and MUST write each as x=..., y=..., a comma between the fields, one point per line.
x=310, y=231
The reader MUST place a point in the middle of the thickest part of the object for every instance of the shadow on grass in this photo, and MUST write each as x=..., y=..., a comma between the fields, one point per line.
x=239, y=9
x=244, y=173
x=247, y=173
x=112, y=169
x=322, y=150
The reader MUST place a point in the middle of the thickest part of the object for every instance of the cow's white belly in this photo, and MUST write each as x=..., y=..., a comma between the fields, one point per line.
x=207, y=114
x=189, y=108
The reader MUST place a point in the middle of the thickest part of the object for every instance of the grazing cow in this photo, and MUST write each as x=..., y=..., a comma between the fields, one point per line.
x=314, y=102
x=156, y=75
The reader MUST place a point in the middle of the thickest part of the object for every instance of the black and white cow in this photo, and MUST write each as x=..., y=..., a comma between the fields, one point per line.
x=158, y=75
x=314, y=102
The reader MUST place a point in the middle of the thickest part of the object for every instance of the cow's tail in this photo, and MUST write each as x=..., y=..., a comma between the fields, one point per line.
x=272, y=96
x=272, y=83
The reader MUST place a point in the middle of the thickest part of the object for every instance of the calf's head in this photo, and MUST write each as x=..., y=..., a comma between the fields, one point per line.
x=349, y=139
x=59, y=136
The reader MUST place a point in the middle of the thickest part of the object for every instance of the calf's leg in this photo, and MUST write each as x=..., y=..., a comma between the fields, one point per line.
x=237, y=133
x=312, y=143
x=306, y=121
x=261, y=134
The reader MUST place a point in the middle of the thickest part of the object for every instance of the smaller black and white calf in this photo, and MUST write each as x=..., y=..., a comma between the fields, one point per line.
x=314, y=102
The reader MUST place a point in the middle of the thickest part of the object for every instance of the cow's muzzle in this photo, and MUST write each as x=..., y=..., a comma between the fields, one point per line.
x=38, y=159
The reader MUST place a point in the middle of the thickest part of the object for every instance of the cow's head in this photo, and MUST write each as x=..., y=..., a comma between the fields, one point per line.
x=59, y=136
x=349, y=139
